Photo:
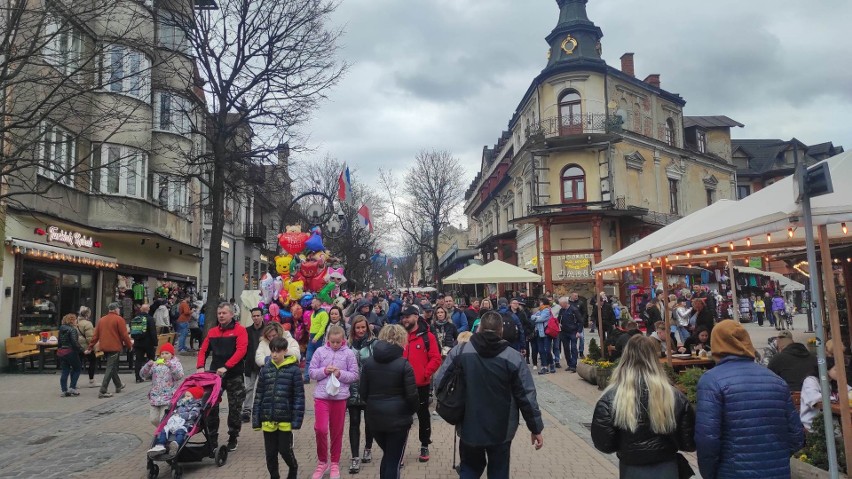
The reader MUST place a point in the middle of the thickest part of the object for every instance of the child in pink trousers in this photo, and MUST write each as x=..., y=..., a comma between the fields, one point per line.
x=337, y=360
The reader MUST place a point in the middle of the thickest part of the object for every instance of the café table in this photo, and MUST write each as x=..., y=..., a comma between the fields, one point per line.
x=43, y=346
x=683, y=363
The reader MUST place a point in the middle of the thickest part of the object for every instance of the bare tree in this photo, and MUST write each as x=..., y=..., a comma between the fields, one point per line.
x=433, y=191
x=263, y=67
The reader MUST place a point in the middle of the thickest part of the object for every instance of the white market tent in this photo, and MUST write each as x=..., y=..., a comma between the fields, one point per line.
x=497, y=272
x=455, y=277
x=756, y=221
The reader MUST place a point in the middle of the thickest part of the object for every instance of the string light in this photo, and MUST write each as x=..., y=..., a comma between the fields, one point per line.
x=732, y=245
x=789, y=232
x=843, y=227
x=716, y=249
x=704, y=251
x=688, y=254
x=768, y=237
x=748, y=242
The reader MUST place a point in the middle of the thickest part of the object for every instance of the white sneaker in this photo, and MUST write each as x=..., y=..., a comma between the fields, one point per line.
x=157, y=448
x=535, y=368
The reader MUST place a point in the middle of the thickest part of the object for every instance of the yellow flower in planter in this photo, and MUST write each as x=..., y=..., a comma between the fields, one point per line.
x=589, y=361
x=803, y=458
x=812, y=341
x=605, y=364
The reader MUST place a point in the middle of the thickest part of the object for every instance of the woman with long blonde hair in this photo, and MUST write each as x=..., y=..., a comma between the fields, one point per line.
x=642, y=417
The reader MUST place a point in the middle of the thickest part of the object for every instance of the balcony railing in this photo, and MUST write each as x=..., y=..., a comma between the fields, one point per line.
x=255, y=233
x=574, y=125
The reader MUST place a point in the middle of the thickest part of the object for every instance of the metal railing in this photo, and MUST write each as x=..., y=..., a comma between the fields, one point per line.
x=255, y=232
x=574, y=125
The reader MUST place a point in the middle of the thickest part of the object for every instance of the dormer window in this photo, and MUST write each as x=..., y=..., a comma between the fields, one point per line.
x=670, y=132
x=701, y=139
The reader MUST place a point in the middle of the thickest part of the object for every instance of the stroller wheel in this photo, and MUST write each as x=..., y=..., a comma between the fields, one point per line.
x=177, y=471
x=221, y=456
x=153, y=471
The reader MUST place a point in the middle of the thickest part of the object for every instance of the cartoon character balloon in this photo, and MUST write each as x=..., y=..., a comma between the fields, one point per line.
x=274, y=313
x=293, y=240
x=267, y=287
x=315, y=242
x=282, y=264
x=312, y=276
x=295, y=289
x=325, y=293
x=278, y=288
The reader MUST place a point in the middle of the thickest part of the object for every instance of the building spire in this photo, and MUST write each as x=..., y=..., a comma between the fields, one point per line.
x=575, y=38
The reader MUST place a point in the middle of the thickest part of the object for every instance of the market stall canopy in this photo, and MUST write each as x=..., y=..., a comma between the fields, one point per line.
x=498, y=272
x=753, y=221
x=786, y=283
x=455, y=277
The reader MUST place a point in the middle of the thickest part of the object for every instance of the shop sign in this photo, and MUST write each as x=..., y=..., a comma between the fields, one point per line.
x=226, y=244
x=577, y=266
x=755, y=262
x=70, y=238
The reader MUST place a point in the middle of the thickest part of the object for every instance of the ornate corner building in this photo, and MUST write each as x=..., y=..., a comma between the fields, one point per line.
x=593, y=160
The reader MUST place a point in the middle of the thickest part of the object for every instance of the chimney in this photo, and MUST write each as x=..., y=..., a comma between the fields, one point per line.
x=653, y=80
x=627, y=64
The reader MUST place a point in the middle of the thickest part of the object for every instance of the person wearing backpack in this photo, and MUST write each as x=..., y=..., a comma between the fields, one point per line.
x=571, y=324
x=499, y=389
x=513, y=330
x=143, y=331
x=424, y=354
x=541, y=318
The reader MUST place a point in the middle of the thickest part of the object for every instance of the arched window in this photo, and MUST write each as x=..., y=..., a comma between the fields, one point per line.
x=573, y=184
x=670, y=132
x=570, y=113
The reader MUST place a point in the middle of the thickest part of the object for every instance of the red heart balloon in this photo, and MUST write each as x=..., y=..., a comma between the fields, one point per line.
x=292, y=242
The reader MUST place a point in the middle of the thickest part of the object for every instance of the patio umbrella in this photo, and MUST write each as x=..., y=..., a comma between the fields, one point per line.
x=455, y=277
x=499, y=272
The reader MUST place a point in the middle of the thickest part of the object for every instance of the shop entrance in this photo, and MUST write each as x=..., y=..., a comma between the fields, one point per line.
x=49, y=292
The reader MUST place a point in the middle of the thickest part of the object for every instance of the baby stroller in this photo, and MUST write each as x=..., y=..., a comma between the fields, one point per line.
x=191, y=451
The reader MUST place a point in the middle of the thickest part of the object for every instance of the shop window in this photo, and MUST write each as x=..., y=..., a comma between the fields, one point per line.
x=119, y=170
x=573, y=184
x=48, y=292
x=58, y=154
x=126, y=71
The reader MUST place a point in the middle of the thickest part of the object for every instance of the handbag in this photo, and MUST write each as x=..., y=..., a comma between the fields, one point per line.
x=451, y=392
x=552, y=328
x=332, y=387
x=62, y=352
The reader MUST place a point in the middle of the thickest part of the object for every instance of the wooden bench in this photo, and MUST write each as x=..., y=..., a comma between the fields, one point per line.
x=163, y=339
x=22, y=348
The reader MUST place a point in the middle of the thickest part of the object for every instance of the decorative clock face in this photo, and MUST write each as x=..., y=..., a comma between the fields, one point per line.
x=569, y=44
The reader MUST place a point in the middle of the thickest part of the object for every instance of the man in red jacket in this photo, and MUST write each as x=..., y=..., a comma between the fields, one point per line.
x=424, y=354
x=227, y=344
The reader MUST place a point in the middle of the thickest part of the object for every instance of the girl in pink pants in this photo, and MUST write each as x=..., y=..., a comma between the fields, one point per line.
x=332, y=359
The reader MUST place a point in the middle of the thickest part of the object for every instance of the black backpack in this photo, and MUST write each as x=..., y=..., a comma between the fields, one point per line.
x=510, y=328
x=138, y=326
x=450, y=393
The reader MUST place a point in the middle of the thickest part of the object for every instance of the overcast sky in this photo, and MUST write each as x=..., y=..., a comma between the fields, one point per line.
x=448, y=74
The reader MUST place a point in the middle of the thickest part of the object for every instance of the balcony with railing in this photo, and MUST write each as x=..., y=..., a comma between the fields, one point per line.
x=573, y=125
x=255, y=233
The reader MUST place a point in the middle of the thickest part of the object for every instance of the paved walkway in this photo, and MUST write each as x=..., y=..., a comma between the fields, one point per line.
x=43, y=435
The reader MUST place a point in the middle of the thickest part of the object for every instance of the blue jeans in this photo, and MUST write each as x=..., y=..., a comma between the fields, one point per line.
x=309, y=354
x=683, y=332
x=582, y=345
x=178, y=436
x=557, y=347
x=569, y=342
x=474, y=460
x=71, y=365
x=182, y=331
x=545, y=350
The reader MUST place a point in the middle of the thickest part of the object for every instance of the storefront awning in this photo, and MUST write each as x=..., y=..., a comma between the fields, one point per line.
x=44, y=251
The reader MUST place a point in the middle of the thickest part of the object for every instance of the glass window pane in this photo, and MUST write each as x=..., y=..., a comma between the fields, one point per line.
x=132, y=172
x=113, y=169
x=568, y=188
x=116, y=72
x=581, y=189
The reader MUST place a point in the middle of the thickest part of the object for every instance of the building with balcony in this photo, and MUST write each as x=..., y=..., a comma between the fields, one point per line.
x=761, y=162
x=593, y=159
x=97, y=209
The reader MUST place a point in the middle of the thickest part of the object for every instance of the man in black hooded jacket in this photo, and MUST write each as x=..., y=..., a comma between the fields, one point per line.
x=793, y=362
x=498, y=385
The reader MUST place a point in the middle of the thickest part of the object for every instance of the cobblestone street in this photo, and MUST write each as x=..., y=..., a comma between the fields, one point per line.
x=43, y=435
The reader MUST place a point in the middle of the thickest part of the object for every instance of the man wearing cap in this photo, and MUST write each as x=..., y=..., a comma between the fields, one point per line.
x=111, y=333
x=793, y=362
x=741, y=404
x=424, y=354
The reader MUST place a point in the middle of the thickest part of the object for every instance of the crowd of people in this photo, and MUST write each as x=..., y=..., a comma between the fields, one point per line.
x=381, y=357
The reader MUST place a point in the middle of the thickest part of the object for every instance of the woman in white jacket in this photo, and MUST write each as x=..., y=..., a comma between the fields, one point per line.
x=270, y=332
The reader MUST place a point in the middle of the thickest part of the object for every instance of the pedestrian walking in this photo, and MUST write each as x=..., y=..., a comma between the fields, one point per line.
x=87, y=330
x=279, y=407
x=545, y=342
x=143, y=331
x=389, y=391
x=459, y=318
x=161, y=317
x=584, y=321
x=424, y=354
x=270, y=332
x=316, y=334
x=195, y=325
x=643, y=418
x=111, y=333
x=254, y=333
x=742, y=404
x=444, y=329
x=361, y=341
x=499, y=389
x=513, y=330
x=69, y=353
x=779, y=308
x=182, y=323
x=759, y=309
x=334, y=367
x=227, y=344
x=571, y=325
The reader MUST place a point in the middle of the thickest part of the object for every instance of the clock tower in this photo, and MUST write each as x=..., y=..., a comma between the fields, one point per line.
x=575, y=40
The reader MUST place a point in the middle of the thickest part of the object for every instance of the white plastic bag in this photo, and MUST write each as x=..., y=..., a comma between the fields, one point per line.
x=332, y=387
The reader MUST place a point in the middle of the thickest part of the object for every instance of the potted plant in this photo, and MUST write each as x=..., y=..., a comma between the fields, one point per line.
x=811, y=345
x=687, y=381
x=812, y=461
x=586, y=369
x=603, y=371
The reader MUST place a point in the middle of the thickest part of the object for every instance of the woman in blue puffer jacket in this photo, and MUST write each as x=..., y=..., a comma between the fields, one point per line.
x=746, y=425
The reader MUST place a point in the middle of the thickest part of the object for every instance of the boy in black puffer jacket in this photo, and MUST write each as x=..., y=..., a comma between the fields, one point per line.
x=279, y=407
